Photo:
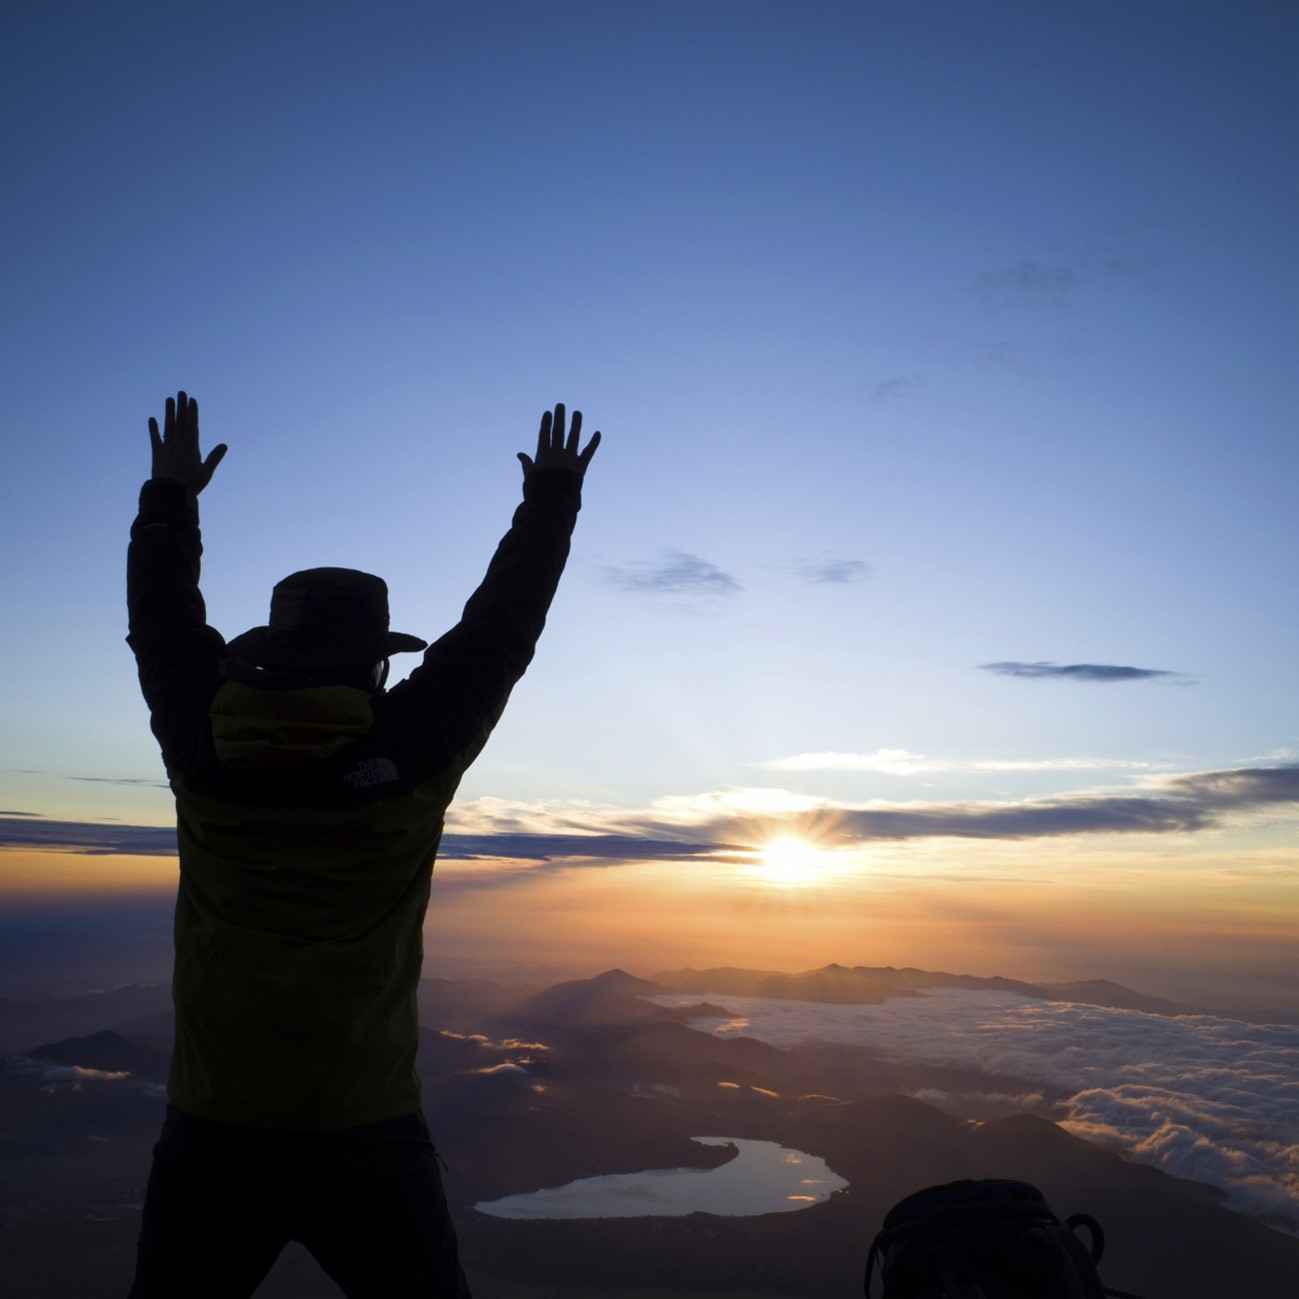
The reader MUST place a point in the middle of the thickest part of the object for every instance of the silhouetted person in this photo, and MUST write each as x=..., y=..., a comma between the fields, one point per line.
x=310, y=804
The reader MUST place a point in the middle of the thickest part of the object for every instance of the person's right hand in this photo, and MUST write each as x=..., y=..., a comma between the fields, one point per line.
x=553, y=452
x=176, y=454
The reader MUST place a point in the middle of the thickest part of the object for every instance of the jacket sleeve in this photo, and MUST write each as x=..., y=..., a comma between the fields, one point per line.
x=177, y=653
x=444, y=711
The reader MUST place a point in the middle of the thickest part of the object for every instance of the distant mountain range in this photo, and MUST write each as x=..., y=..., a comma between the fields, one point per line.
x=865, y=985
x=534, y=1087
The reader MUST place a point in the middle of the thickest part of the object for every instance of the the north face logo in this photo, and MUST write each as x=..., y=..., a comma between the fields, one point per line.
x=371, y=771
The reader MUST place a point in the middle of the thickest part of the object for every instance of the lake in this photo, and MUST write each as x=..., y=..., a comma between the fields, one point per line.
x=762, y=1178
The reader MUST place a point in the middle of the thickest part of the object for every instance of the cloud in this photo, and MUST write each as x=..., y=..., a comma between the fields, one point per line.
x=559, y=847
x=1211, y=1099
x=834, y=570
x=726, y=824
x=1054, y=283
x=86, y=836
x=122, y=780
x=1103, y=672
x=891, y=389
x=1166, y=804
x=141, y=840
x=1030, y=284
x=1179, y=804
x=895, y=762
x=148, y=782
x=900, y=762
x=677, y=573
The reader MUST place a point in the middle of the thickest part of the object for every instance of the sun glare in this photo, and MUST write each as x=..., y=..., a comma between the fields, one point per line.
x=790, y=862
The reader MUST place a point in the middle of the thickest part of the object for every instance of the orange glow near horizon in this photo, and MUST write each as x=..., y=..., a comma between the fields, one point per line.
x=1031, y=911
x=44, y=873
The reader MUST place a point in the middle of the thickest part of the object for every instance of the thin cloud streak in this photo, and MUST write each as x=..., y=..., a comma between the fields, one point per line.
x=729, y=824
x=1181, y=804
x=1030, y=284
x=901, y=762
x=1165, y=804
x=834, y=571
x=676, y=572
x=1101, y=672
x=33, y=832
x=891, y=389
x=1038, y=286
x=88, y=837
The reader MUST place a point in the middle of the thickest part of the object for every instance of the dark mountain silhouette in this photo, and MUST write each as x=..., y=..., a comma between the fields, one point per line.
x=866, y=985
x=107, y=1051
x=611, y=997
x=1102, y=992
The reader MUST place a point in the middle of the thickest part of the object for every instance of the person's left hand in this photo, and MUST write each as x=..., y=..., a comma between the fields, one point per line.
x=553, y=451
x=176, y=453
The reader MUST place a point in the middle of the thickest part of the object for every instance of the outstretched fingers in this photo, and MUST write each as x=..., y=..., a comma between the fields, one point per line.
x=176, y=452
x=559, y=446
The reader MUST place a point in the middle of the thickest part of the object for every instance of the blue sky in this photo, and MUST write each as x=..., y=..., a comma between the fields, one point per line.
x=922, y=337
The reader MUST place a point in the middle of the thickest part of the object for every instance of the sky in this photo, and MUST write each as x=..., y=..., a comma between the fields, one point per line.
x=942, y=531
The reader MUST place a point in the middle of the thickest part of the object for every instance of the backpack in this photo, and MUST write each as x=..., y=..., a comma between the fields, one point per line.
x=988, y=1239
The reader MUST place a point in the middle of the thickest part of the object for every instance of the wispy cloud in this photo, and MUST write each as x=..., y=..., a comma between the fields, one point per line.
x=675, y=572
x=122, y=780
x=502, y=844
x=1033, y=285
x=834, y=570
x=1161, y=804
x=1169, y=805
x=1102, y=672
x=561, y=847
x=1030, y=284
x=901, y=762
x=892, y=389
x=727, y=824
x=22, y=830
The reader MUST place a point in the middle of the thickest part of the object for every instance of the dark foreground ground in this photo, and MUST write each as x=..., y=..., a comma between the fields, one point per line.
x=599, y=1082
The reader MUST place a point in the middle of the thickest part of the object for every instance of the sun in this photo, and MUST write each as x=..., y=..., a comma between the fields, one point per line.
x=789, y=862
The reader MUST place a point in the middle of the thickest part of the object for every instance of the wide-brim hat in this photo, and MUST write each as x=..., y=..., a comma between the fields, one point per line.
x=325, y=618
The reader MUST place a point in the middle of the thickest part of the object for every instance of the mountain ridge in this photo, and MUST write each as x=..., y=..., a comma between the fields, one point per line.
x=870, y=985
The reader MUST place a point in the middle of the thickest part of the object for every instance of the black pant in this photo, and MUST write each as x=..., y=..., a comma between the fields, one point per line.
x=224, y=1200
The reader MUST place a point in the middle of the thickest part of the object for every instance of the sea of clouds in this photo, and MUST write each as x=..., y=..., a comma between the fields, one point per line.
x=1210, y=1099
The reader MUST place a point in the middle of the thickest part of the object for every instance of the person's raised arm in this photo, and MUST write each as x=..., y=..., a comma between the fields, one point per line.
x=452, y=700
x=176, y=651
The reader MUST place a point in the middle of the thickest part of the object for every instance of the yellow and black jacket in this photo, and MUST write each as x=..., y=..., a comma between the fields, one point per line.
x=309, y=817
